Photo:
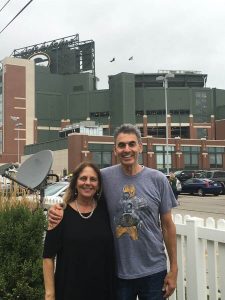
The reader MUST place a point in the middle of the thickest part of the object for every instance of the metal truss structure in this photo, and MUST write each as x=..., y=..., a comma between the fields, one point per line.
x=67, y=55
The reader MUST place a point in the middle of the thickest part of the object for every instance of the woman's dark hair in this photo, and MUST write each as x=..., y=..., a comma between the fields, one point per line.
x=71, y=192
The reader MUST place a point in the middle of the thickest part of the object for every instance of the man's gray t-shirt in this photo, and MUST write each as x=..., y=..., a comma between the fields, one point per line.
x=134, y=204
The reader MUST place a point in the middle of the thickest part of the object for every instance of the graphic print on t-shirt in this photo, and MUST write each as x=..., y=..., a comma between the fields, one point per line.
x=128, y=219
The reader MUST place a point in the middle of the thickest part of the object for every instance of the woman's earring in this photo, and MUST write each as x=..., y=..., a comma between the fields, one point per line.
x=75, y=194
x=98, y=195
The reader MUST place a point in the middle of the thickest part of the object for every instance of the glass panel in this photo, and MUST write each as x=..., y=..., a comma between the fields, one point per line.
x=187, y=159
x=185, y=148
x=159, y=148
x=194, y=159
x=159, y=159
x=219, y=160
x=216, y=160
x=140, y=159
x=202, y=133
x=106, y=159
x=191, y=149
x=96, y=157
x=201, y=111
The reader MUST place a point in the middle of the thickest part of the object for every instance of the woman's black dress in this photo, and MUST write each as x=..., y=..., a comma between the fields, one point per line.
x=85, y=255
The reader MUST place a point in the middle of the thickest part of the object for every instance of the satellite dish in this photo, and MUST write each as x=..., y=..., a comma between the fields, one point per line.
x=33, y=172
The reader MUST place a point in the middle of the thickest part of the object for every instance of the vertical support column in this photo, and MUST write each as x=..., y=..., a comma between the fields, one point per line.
x=178, y=154
x=212, y=129
x=145, y=125
x=169, y=125
x=77, y=150
x=151, y=159
x=191, y=126
x=204, y=159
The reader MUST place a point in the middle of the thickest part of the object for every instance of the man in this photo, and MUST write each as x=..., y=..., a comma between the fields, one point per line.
x=139, y=201
x=173, y=182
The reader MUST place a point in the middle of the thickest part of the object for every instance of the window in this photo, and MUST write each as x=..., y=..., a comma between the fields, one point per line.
x=102, y=159
x=139, y=113
x=179, y=112
x=216, y=157
x=156, y=112
x=99, y=114
x=191, y=156
x=140, y=158
x=182, y=132
x=202, y=133
x=96, y=157
x=161, y=156
x=201, y=111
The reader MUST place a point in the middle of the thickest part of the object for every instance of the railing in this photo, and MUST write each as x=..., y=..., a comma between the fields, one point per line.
x=201, y=259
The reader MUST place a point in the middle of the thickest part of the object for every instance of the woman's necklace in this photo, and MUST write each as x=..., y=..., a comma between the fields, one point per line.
x=91, y=213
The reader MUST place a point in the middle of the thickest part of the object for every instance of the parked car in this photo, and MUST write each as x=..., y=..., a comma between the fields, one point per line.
x=201, y=186
x=5, y=185
x=183, y=175
x=53, y=194
x=216, y=175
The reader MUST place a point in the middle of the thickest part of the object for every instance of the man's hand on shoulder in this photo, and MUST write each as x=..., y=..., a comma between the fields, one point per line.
x=55, y=214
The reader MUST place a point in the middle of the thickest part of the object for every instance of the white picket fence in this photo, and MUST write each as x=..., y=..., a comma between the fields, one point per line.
x=201, y=259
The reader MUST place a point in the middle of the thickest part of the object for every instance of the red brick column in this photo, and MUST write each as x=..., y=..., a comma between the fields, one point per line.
x=204, y=158
x=151, y=158
x=77, y=150
x=145, y=125
x=178, y=154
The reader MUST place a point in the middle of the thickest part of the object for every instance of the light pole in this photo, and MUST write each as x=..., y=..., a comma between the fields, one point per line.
x=165, y=83
x=18, y=140
x=17, y=125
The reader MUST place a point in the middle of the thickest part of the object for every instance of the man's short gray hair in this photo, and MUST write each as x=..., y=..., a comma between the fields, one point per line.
x=128, y=129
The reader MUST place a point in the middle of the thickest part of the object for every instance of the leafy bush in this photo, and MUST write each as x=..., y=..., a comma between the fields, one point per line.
x=21, y=246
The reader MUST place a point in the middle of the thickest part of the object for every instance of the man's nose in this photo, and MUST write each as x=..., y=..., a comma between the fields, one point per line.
x=127, y=147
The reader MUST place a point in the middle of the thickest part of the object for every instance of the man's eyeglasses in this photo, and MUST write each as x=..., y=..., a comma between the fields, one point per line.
x=122, y=145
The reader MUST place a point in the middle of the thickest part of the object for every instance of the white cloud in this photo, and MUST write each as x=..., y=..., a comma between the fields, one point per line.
x=159, y=34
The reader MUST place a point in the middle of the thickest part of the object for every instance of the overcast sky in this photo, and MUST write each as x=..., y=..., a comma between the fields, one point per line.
x=159, y=34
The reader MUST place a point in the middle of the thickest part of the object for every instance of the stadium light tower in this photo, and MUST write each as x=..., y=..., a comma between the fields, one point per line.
x=164, y=79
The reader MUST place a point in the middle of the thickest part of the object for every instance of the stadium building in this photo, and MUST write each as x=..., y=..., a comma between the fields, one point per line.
x=49, y=100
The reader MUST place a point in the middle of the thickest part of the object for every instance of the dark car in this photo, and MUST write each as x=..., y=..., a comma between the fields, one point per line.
x=215, y=175
x=184, y=175
x=201, y=186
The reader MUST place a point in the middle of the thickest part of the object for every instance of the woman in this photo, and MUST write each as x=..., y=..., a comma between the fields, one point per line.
x=82, y=243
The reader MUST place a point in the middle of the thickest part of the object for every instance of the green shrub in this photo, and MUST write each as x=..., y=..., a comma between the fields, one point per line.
x=21, y=246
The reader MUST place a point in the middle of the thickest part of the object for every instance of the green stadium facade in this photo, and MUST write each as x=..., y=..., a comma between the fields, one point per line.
x=53, y=101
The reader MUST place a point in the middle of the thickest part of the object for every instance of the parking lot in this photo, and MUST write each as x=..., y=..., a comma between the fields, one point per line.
x=203, y=207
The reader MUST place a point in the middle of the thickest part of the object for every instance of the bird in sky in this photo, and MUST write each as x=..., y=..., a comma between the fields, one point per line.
x=112, y=59
x=131, y=58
